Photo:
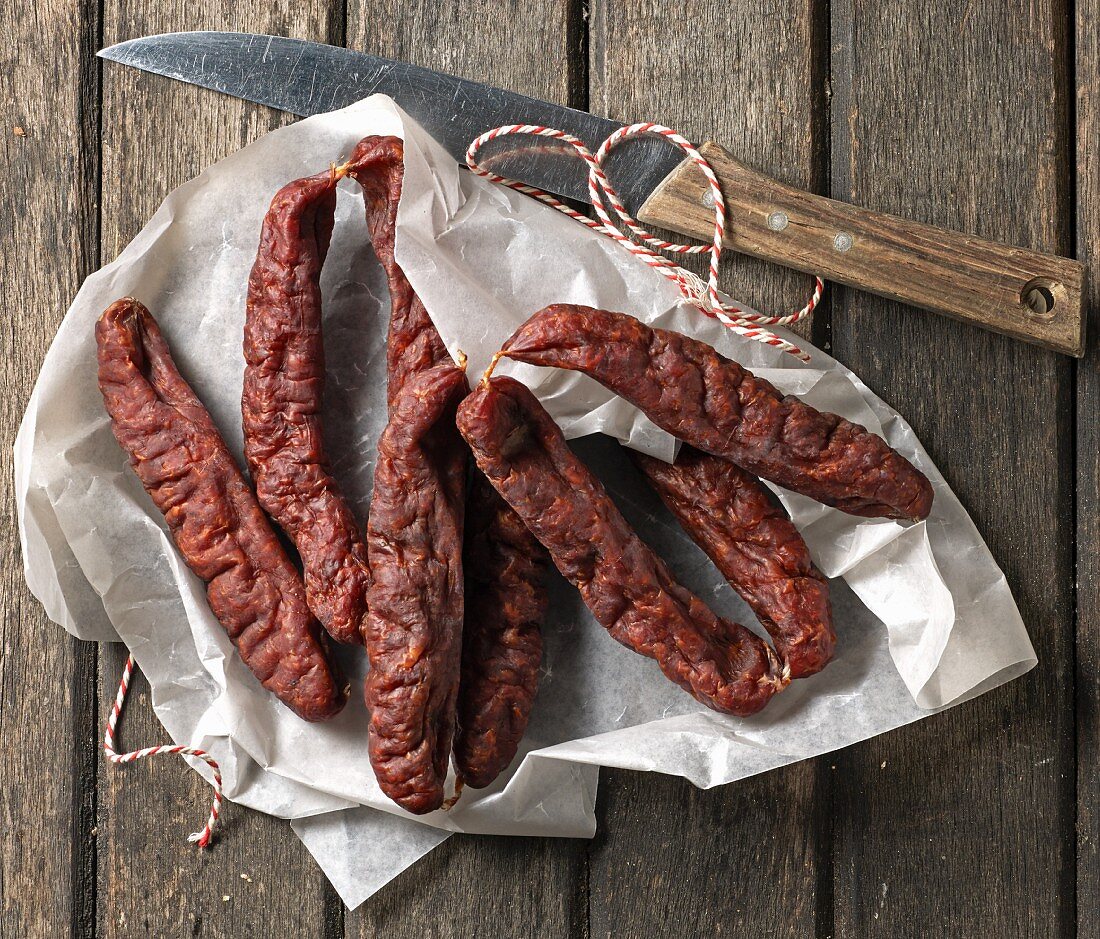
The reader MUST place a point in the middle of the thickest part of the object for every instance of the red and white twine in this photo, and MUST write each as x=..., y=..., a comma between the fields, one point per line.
x=201, y=838
x=642, y=243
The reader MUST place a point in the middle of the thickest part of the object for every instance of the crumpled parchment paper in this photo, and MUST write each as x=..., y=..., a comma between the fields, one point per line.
x=924, y=616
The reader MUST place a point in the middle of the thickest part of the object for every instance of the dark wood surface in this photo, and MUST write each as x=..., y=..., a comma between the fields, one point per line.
x=936, y=115
x=981, y=821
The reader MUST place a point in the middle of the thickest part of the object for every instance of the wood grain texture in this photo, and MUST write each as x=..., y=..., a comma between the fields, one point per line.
x=47, y=680
x=1028, y=295
x=481, y=886
x=669, y=859
x=673, y=860
x=1087, y=679
x=157, y=134
x=475, y=886
x=946, y=825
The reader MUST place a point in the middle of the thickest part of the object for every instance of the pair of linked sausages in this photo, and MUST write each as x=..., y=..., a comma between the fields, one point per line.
x=446, y=588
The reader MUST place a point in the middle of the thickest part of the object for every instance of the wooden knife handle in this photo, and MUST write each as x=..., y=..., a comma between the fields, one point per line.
x=1024, y=294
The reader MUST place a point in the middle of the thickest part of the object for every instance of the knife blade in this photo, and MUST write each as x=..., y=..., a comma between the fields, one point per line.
x=306, y=78
x=1021, y=293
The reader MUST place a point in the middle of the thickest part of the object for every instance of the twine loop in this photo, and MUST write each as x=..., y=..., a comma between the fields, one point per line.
x=644, y=244
x=201, y=838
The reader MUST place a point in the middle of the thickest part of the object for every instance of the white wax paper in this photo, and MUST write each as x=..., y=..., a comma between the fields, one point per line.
x=923, y=614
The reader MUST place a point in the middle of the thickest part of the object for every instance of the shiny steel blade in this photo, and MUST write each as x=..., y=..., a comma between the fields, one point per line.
x=309, y=78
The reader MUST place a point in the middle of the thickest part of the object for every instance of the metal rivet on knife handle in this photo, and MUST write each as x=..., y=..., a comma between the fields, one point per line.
x=1043, y=298
x=1018, y=292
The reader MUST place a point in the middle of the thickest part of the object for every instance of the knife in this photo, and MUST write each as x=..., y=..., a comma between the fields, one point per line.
x=1020, y=293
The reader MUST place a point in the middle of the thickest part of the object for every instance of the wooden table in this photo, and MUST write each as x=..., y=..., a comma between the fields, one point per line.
x=978, y=822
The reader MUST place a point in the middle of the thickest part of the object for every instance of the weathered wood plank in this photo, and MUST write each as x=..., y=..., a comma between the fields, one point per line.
x=670, y=859
x=963, y=824
x=1087, y=683
x=158, y=133
x=481, y=886
x=47, y=681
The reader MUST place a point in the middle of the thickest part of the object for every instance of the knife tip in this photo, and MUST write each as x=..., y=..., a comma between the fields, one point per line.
x=113, y=52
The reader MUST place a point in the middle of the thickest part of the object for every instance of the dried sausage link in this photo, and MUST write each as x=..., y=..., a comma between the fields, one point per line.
x=756, y=547
x=414, y=623
x=501, y=640
x=214, y=518
x=627, y=587
x=413, y=344
x=415, y=537
x=281, y=404
x=685, y=387
x=504, y=600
